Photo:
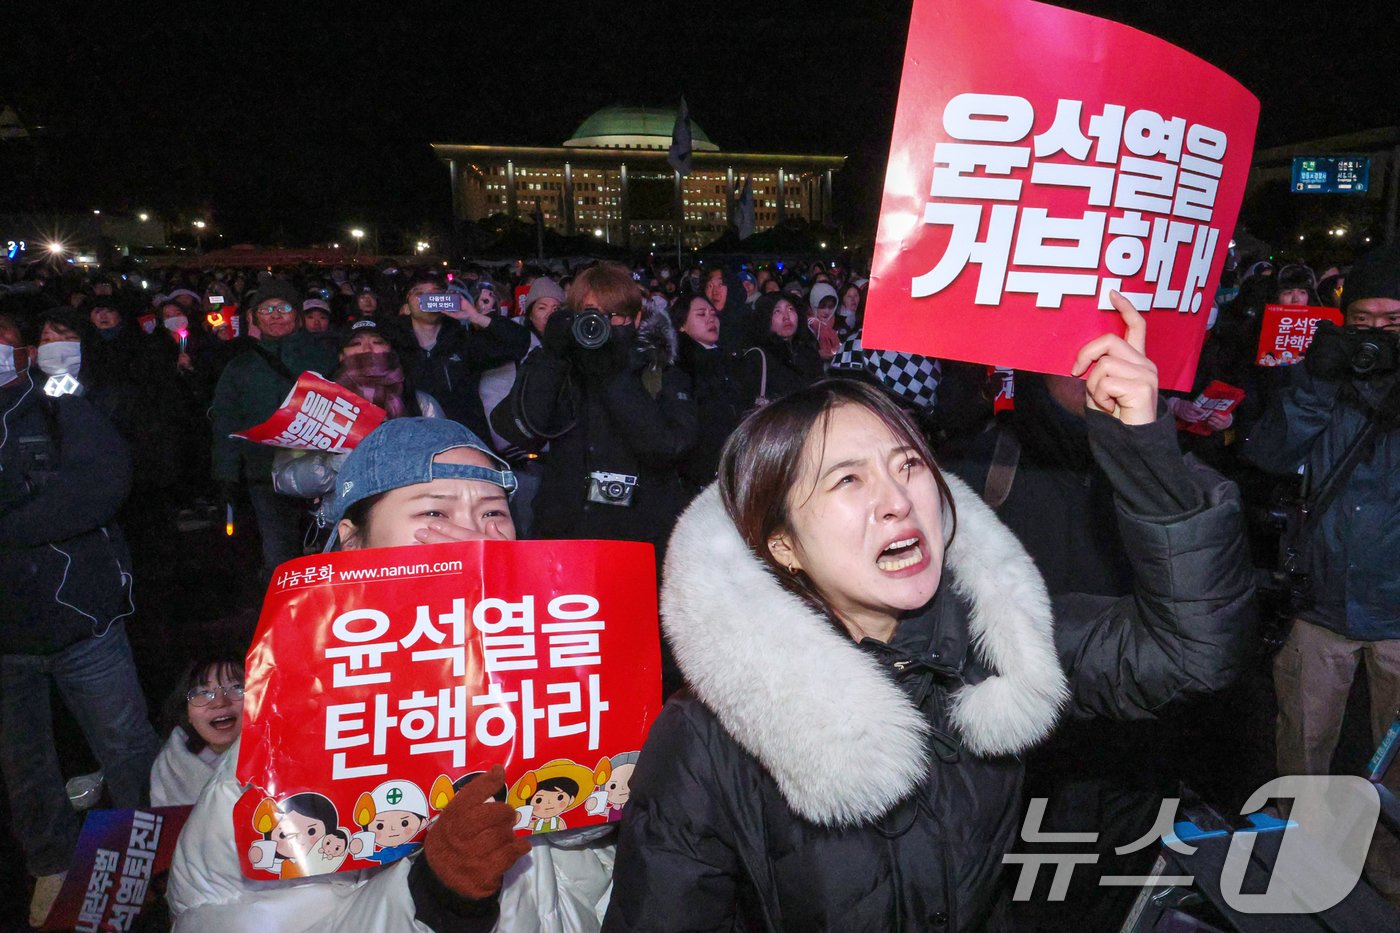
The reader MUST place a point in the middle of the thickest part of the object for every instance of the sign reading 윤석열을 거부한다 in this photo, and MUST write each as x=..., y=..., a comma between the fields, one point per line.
x=1041, y=158
x=381, y=680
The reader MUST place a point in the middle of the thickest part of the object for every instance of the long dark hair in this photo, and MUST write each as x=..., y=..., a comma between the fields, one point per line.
x=762, y=462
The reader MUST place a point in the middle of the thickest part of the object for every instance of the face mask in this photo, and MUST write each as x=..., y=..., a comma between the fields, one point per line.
x=60, y=357
x=178, y=322
x=8, y=370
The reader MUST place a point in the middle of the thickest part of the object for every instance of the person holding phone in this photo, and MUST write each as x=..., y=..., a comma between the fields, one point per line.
x=445, y=353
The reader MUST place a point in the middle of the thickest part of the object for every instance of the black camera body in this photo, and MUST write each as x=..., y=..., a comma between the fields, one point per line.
x=1353, y=352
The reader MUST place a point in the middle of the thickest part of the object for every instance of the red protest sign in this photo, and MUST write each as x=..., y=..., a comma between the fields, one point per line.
x=117, y=856
x=1041, y=158
x=1287, y=331
x=1219, y=398
x=380, y=680
x=317, y=415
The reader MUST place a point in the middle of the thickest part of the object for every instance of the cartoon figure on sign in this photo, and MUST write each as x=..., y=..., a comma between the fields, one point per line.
x=292, y=831
x=614, y=786
x=391, y=816
x=544, y=795
x=335, y=845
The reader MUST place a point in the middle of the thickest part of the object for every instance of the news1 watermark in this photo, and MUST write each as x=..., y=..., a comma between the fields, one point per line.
x=1325, y=840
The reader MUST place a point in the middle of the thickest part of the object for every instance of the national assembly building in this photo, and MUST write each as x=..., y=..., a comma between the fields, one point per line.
x=612, y=179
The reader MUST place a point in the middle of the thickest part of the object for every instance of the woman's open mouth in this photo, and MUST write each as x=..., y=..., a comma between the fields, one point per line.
x=901, y=555
x=224, y=723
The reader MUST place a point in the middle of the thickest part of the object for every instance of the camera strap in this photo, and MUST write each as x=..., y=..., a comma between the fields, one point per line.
x=1317, y=502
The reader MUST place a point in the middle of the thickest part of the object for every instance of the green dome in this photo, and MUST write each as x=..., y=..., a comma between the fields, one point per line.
x=635, y=128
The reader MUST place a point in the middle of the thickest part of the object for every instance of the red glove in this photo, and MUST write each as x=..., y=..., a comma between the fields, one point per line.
x=473, y=842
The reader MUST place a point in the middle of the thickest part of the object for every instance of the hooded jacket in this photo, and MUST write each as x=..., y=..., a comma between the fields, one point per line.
x=619, y=426
x=809, y=783
x=791, y=364
x=734, y=317
x=64, y=473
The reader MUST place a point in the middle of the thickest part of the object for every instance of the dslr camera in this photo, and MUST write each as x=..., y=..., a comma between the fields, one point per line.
x=611, y=488
x=1353, y=352
x=590, y=328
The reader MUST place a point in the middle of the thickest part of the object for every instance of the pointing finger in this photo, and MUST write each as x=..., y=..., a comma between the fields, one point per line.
x=1136, y=336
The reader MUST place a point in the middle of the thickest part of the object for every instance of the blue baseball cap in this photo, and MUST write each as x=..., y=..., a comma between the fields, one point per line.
x=401, y=452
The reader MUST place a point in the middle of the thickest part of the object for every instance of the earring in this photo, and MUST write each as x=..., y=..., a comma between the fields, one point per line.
x=792, y=569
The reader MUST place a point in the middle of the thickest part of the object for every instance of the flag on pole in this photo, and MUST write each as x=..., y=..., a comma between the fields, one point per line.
x=679, y=156
x=744, y=215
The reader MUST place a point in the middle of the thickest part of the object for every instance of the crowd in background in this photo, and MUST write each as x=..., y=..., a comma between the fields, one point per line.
x=611, y=390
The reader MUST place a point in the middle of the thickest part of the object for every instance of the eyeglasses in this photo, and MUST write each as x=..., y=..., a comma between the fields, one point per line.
x=203, y=696
x=283, y=308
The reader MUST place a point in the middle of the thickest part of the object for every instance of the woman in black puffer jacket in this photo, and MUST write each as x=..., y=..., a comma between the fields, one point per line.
x=778, y=330
x=849, y=756
x=724, y=387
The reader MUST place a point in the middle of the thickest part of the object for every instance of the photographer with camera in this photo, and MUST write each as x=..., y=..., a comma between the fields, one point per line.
x=1337, y=418
x=604, y=393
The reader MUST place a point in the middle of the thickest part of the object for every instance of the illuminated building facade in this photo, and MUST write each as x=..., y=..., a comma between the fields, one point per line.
x=612, y=179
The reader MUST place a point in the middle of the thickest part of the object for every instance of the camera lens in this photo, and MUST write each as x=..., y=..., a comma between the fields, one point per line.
x=1365, y=358
x=591, y=330
x=613, y=490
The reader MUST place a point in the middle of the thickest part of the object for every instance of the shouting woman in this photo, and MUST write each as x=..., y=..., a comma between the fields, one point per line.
x=879, y=651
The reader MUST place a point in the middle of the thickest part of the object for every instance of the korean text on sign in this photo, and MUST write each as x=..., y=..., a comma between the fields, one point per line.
x=1149, y=185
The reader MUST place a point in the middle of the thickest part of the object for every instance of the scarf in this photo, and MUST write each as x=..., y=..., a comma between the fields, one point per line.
x=377, y=377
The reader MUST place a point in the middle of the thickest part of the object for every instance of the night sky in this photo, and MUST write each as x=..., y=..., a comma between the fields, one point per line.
x=294, y=124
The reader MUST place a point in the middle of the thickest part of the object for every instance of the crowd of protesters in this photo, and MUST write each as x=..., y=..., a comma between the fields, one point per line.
x=609, y=393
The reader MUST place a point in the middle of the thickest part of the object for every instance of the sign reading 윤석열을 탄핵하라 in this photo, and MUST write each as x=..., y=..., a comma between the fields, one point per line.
x=1040, y=159
x=381, y=680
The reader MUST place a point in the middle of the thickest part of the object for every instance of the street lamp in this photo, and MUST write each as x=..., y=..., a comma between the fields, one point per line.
x=143, y=217
x=199, y=227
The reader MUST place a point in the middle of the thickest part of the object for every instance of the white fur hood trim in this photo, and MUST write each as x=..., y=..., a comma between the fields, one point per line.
x=788, y=687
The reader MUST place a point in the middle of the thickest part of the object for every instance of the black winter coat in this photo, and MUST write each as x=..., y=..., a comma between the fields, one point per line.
x=1059, y=496
x=450, y=370
x=792, y=364
x=810, y=784
x=64, y=473
x=724, y=385
x=140, y=393
x=618, y=427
